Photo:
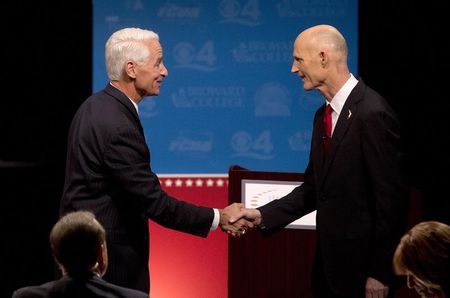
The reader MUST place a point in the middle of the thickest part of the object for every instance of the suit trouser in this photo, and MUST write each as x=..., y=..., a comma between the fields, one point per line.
x=321, y=287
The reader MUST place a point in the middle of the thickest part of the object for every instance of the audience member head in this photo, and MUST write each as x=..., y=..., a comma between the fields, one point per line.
x=423, y=256
x=79, y=245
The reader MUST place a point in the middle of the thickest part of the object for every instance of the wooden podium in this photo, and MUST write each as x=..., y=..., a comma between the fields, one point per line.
x=279, y=265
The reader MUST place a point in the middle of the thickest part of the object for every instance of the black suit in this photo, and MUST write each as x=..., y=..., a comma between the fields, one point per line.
x=68, y=287
x=108, y=172
x=358, y=190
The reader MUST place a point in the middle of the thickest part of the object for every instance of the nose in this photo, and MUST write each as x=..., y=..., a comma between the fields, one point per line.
x=294, y=67
x=164, y=71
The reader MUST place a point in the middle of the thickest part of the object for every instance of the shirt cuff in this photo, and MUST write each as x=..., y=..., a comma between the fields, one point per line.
x=216, y=220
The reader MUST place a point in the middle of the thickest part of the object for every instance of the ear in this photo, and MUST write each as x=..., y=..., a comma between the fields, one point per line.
x=60, y=266
x=102, y=259
x=323, y=59
x=130, y=69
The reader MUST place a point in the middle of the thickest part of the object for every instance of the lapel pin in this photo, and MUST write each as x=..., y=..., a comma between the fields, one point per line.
x=349, y=114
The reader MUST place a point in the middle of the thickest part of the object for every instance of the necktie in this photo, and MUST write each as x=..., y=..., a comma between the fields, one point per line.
x=327, y=128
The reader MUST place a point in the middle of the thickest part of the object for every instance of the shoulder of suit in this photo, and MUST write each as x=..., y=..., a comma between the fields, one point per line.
x=127, y=292
x=33, y=291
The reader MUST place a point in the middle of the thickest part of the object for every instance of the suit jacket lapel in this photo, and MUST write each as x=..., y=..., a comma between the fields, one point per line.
x=319, y=137
x=345, y=119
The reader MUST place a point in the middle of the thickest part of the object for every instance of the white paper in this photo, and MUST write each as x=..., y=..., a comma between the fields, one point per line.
x=256, y=193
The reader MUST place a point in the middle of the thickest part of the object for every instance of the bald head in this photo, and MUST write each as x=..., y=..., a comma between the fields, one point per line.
x=325, y=38
x=320, y=59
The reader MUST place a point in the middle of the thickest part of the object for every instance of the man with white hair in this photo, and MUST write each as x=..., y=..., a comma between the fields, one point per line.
x=108, y=162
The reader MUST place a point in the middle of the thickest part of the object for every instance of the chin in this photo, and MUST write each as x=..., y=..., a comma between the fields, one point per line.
x=156, y=92
x=153, y=93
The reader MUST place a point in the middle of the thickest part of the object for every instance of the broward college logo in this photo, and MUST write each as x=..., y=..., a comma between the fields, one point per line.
x=212, y=97
x=263, y=52
x=308, y=8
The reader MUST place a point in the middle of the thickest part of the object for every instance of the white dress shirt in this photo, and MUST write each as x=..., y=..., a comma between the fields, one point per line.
x=338, y=101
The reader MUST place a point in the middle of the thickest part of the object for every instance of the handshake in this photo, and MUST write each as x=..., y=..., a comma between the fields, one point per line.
x=236, y=220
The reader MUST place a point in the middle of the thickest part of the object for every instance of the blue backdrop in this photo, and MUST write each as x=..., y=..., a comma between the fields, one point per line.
x=230, y=97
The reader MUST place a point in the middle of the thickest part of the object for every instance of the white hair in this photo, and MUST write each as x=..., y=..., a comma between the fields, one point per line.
x=127, y=44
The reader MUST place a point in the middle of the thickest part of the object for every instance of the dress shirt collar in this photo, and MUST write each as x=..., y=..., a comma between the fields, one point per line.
x=338, y=101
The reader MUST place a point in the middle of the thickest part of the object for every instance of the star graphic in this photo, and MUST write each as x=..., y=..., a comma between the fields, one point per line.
x=209, y=182
x=199, y=182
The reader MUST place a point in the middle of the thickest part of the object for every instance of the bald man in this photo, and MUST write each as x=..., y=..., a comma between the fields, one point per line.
x=354, y=178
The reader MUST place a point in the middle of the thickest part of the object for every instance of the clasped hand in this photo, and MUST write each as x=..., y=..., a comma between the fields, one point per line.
x=236, y=220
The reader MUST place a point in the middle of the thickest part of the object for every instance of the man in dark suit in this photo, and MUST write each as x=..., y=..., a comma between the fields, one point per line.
x=354, y=178
x=79, y=248
x=108, y=163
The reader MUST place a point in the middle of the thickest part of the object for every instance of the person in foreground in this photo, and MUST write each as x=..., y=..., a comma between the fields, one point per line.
x=108, y=162
x=78, y=244
x=423, y=255
x=354, y=177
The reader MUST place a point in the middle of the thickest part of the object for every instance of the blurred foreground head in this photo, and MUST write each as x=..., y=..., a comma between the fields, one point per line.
x=78, y=244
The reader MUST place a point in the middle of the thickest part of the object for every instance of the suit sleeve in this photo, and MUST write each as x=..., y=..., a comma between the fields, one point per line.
x=301, y=201
x=127, y=158
x=383, y=157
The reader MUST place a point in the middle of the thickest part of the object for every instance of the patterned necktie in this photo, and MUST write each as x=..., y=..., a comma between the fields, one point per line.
x=327, y=128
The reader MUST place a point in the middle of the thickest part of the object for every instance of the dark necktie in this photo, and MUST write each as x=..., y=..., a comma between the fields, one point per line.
x=327, y=128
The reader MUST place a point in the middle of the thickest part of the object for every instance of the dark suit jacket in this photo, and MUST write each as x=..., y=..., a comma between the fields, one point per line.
x=68, y=287
x=108, y=172
x=358, y=190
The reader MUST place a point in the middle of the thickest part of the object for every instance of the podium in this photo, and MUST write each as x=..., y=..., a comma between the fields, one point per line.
x=279, y=265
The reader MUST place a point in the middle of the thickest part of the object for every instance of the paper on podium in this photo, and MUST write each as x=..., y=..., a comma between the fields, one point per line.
x=256, y=193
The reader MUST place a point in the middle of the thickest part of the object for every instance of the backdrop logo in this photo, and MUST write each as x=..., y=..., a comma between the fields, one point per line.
x=134, y=5
x=243, y=145
x=308, y=8
x=311, y=100
x=300, y=141
x=259, y=51
x=147, y=108
x=244, y=13
x=178, y=11
x=192, y=142
x=187, y=56
x=215, y=97
x=272, y=99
